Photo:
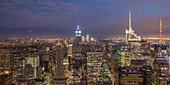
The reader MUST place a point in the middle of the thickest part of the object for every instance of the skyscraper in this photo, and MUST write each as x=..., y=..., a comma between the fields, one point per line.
x=34, y=61
x=78, y=36
x=94, y=68
x=59, y=62
x=87, y=38
x=78, y=31
x=133, y=42
x=5, y=60
x=160, y=71
x=61, y=65
x=130, y=35
x=128, y=76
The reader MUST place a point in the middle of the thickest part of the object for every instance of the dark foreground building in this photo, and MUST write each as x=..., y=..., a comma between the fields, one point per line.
x=128, y=76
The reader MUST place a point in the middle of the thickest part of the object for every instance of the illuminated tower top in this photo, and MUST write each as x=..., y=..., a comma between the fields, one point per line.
x=130, y=28
x=160, y=31
x=78, y=27
x=130, y=35
x=78, y=31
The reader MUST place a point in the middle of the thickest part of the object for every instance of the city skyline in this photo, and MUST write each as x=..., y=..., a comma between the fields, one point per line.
x=84, y=42
x=53, y=19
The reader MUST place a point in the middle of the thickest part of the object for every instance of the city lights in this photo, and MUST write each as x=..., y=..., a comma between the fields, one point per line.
x=42, y=42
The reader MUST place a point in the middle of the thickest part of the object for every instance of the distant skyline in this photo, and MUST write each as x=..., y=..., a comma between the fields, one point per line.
x=98, y=18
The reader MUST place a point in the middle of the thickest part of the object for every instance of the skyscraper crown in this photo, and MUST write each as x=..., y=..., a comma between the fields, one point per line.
x=78, y=32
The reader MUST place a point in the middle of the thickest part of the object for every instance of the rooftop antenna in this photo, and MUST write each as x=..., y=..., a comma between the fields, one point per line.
x=78, y=25
x=160, y=31
x=130, y=28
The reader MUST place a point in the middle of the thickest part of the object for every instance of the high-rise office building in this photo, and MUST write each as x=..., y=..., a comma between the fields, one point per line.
x=128, y=76
x=133, y=50
x=78, y=32
x=147, y=70
x=5, y=60
x=130, y=35
x=78, y=35
x=87, y=38
x=145, y=52
x=16, y=54
x=137, y=64
x=5, y=79
x=33, y=59
x=160, y=71
x=83, y=39
x=61, y=66
x=94, y=68
x=121, y=57
x=70, y=50
x=21, y=67
x=59, y=62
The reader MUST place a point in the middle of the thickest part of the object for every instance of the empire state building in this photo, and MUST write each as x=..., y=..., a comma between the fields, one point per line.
x=78, y=32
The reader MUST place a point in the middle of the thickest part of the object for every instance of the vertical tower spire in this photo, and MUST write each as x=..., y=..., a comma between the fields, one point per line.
x=160, y=31
x=78, y=25
x=78, y=31
x=130, y=28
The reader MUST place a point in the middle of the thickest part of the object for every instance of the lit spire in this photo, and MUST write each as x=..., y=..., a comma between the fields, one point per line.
x=130, y=35
x=160, y=31
x=130, y=28
x=78, y=25
x=78, y=31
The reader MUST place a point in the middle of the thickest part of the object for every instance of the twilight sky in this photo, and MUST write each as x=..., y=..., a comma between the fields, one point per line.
x=98, y=18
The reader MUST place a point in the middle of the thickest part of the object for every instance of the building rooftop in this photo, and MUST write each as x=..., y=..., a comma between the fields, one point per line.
x=92, y=53
x=146, y=68
x=138, y=62
x=127, y=70
x=162, y=60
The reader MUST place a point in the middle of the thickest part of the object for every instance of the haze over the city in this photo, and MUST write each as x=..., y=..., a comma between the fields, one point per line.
x=98, y=18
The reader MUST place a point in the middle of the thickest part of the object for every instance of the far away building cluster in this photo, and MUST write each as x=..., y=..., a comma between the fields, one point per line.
x=84, y=60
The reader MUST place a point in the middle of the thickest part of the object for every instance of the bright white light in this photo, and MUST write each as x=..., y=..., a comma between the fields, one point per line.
x=70, y=44
x=76, y=31
x=79, y=31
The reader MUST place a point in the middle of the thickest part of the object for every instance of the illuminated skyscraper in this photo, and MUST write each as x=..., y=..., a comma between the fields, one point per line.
x=87, y=38
x=33, y=60
x=160, y=71
x=94, y=68
x=121, y=57
x=78, y=32
x=59, y=62
x=5, y=60
x=83, y=39
x=133, y=42
x=128, y=76
x=78, y=35
x=130, y=35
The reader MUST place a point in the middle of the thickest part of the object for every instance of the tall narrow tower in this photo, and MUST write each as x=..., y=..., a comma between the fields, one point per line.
x=160, y=31
x=130, y=35
x=130, y=28
x=78, y=31
x=59, y=62
x=133, y=42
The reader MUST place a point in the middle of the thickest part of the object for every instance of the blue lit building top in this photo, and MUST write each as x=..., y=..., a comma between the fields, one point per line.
x=78, y=32
x=78, y=27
